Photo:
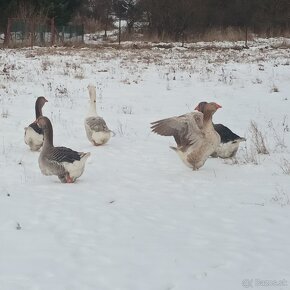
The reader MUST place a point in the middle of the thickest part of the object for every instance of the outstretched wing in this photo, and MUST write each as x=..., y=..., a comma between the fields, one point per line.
x=97, y=124
x=186, y=129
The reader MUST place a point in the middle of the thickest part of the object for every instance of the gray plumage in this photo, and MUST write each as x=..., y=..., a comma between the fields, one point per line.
x=97, y=124
x=64, y=162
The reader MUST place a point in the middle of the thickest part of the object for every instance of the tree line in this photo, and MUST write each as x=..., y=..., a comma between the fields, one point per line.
x=172, y=18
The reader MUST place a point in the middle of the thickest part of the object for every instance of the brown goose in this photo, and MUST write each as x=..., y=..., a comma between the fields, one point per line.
x=64, y=162
x=229, y=140
x=194, y=134
x=33, y=135
x=97, y=130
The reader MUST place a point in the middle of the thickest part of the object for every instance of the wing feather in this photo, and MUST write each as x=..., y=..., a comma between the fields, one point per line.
x=97, y=124
x=186, y=129
x=64, y=154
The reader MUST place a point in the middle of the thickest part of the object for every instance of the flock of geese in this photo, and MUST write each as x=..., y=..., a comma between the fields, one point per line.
x=195, y=135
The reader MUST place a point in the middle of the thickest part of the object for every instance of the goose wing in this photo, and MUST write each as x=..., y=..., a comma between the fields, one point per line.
x=64, y=154
x=97, y=124
x=186, y=129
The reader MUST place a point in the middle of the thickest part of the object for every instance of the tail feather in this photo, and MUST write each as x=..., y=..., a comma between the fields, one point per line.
x=84, y=155
x=241, y=139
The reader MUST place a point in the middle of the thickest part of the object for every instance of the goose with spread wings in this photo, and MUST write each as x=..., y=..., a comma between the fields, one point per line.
x=194, y=135
x=64, y=162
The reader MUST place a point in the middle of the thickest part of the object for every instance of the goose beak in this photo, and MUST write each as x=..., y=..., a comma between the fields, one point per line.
x=45, y=100
x=218, y=106
x=197, y=107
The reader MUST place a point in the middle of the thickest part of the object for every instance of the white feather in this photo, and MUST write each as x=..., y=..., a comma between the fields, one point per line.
x=227, y=150
x=76, y=168
x=33, y=139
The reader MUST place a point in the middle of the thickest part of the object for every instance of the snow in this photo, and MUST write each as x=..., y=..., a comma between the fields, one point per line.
x=138, y=218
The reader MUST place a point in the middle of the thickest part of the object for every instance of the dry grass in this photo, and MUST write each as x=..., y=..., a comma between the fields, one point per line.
x=228, y=34
x=258, y=139
x=248, y=155
x=4, y=113
x=154, y=37
x=45, y=64
x=281, y=197
x=79, y=73
x=121, y=129
x=285, y=166
x=127, y=110
x=275, y=89
x=279, y=133
x=283, y=44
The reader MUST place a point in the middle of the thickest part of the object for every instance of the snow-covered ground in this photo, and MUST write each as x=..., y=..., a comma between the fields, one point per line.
x=138, y=218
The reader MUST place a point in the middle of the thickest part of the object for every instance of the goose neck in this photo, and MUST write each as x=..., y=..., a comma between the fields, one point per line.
x=48, y=136
x=92, y=109
x=38, y=110
x=207, y=120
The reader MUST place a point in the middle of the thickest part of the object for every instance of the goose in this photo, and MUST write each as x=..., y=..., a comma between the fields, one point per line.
x=229, y=140
x=97, y=130
x=194, y=134
x=33, y=135
x=64, y=162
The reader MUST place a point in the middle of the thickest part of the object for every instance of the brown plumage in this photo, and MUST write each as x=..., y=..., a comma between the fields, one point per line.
x=230, y=141
x=194, y=135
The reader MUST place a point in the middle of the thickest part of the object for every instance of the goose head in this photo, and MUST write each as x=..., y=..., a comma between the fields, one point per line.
x=43, y=123
x=209, y=108
x=38, y=106
x=41, y=101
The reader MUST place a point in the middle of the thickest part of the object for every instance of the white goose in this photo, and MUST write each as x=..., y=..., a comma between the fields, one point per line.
x=97, y=130
x=33, y=135
x=64, y=162
x=194, y=134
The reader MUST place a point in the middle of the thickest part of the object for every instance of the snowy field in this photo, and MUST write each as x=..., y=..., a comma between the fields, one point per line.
x=138, y=218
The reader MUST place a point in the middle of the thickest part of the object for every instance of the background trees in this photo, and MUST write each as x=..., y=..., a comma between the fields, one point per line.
x=175, y=19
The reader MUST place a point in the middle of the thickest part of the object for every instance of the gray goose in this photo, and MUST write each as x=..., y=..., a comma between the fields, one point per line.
x=97, y=130
x=194, y=135
x=64, y=162
x=229, y=140
x=33, y=135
